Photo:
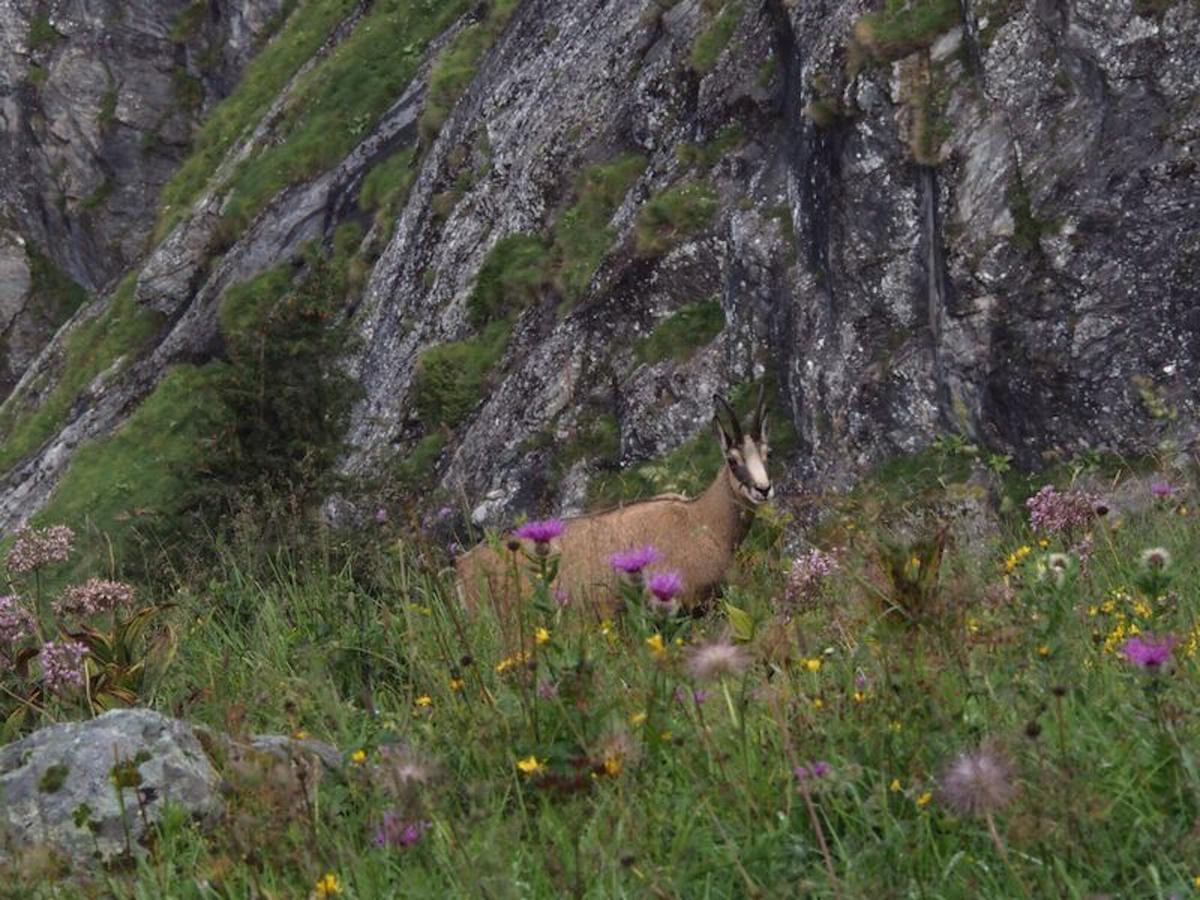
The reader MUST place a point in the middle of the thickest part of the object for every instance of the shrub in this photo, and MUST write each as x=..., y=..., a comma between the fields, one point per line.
x=673, y=215
x=683, y=332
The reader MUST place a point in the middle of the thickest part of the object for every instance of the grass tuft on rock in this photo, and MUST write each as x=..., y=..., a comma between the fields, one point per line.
x=905, y=26
x=715, y=38
x=451, y=377
x=682, y=333
x=674, y=215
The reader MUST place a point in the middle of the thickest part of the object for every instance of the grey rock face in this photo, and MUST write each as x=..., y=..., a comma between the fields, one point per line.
x=59, y=785
x=999, y=236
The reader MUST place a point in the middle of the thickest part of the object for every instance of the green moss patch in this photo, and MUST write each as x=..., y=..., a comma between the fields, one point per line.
x=682, y=333
x=674, y=215
x=451, y=377
x=42, y=33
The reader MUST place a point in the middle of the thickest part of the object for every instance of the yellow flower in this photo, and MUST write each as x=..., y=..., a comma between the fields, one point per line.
x=1142, y=608
x=606, y=627
x=894, y=726
x=637, y=718
x=655, y=643
x=358, y=757
x=860, y=697
x=1092, y=610
x=894, y=787
x=924, y=799
x=300, y=734
x=542, y=636
x=818, y=703
x=529, y=765
x=813, y=665
x=1043, y=650
x=456, y=684
x=612, y=766
x=424, y=701
x=1044, y=543
x=666, y=736
x=1196, y=882
x=327, y=886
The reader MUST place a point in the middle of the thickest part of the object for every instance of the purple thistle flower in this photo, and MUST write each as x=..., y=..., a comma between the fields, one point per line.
x=561, y=596
x=1162, y=490
x=631, y=562
x=818, y=769
x=666, y=586
x=397, y=833
x=547, y=690
x=1149, y=652
x=444, y=513
x=683, y=695
x=62, y=665
x=541, y=532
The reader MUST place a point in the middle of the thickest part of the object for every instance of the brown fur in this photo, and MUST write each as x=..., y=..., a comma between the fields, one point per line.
x=698, y=537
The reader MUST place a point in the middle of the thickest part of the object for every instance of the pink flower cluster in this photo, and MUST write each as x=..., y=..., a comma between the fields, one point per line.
x=808, y=574
x=62, y=665
x=94, y=596
x=35, y=548
x=16, y=622
x=397, y=833
x=1053, y=511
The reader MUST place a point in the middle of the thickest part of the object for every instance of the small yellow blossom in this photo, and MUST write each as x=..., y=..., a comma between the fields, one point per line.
x=358, y=757
x=424, y=701
x=1142, y=609
x=924, y=799
x=1044, y=543
x=1093, y=610
x=678, y=642
x=637, y=718
x=606, y=627
x=655, y=643
x=1043, y=650
x=818, y=703
x=666, y=736
x=425, y=610
x=1015, y=558
x=300, y=734
x=542, y=636
x=327, y=886
x=529, y=765
x=813, y=665
x=859, y=697
x=1183, y=511
x=1196, y=882
x=612, y=766
x=894, y=787
x=895, y=726
x=456, y=684
x=972, y=625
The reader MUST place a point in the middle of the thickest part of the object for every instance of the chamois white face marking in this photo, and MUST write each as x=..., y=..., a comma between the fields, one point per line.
x=748, y=465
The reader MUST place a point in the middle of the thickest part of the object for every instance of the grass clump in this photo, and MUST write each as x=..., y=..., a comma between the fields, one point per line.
x=1028, y=229
x=456, y=65
x=682, y=333
x=509, y=280
x=42, y=34
x=673, y=215
x=189, y=22
x=451, y=377
x=338, y=101
x=705, y=156
x=386, y=186
x=714, y=39
x=905, y=26
x=582, y=235
x=300, y=36
x=94, y=346
x=412, y=472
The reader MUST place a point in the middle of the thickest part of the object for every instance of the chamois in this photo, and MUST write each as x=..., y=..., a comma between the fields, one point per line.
x=698, y=537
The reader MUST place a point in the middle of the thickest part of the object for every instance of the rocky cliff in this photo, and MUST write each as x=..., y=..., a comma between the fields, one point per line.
x=567, y=224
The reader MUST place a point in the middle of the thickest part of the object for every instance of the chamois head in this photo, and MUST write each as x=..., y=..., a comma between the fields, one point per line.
x=745, y=453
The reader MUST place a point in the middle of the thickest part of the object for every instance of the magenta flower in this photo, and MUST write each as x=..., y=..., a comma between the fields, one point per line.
x=631, y=562
x=1149, y=652
x=1162, y=490
x=397, y=833
x=541, y=532
x=819, y=769
x=666, y=586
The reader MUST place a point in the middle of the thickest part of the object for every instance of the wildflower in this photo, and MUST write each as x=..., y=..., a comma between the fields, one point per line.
x=94, y=596
x=1052, y=511
x=16, y=622
x=62, y=664
x=444, y=513
x=861, y=681
x=300, y=735
x=637, y=718
x=327, y=886
x=716, y=660
x=631, y=562
x=807, y=577
x=424, y=701
x=1149, y=652
x=547, y=690
x=404, y=766
x=818, y=703
x=895, y=727
x=381, y=516
x=859, y=697
x=1044, y=543
x=541, y=636
x=1143, y=610
x=1058, y=564
x=612, y=766
x=894, y=787
x=606, y=628
x=1156, y=559
x=655, y=643
x=819, y=769
x=541, y=533
x=1016, y=557
x=561, y=596
x=35, y=548
x=397, y=833
x=979, y=783
x=1043, y=650
x=456, y=684
x=666, y=585
x=923, y=800
x=530, y=765
x=683, y=695
x=358, y=757
x=813, y=665
x=1162, y=490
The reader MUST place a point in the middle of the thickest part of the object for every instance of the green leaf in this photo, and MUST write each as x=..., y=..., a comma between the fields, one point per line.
x=743, y=625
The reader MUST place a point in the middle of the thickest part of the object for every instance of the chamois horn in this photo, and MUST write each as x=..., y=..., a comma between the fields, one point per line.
x=733, y=419
x=759, y=409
